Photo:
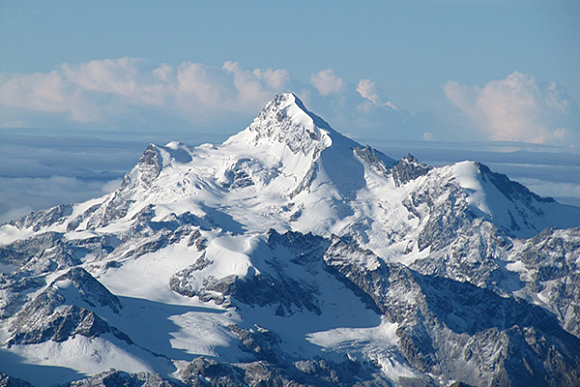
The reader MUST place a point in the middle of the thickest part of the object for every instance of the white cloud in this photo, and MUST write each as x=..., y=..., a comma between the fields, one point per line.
x=368, y=90
x=114, y=76
x=45, y=92
x=129, y=93
x=518, y=108
x=275, y=79
x=205, y=92
x=255, y=88
x=200, y=86
x=163, y=72
x=327, y=82
x=90, y=91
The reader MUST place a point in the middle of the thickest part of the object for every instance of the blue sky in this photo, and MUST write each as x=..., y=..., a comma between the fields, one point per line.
x=475, y=76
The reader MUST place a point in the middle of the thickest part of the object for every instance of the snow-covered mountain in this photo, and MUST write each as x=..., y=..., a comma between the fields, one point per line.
x=292, y=255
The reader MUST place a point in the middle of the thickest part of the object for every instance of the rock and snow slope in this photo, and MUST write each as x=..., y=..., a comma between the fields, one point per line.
x=292, y=254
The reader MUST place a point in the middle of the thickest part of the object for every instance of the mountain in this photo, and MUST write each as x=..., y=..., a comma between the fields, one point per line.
x=292, y=255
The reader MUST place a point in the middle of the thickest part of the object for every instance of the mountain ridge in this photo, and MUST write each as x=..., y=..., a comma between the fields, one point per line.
x=292, y=254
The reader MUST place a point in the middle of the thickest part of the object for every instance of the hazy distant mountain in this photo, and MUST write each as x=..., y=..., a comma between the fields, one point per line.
x=292, y=255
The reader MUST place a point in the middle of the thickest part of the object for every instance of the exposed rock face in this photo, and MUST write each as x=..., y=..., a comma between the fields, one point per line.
x=41, y=253
x=257, y=289
x=377, y=160
x=479, y=332
x=550, y=267
x=209, y=372
x=276, y=122
x=61, y=326
x=91, y=291
x=14, y=289
x=48, y=317
x=114, y=378
x=50, y=251
x=408, y=169
x=42, y=218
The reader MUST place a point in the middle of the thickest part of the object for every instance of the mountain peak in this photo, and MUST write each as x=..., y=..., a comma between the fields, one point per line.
x=287, y=106
x=286, y=120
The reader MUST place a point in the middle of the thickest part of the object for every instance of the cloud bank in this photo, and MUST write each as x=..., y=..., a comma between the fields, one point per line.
x=92, y=91
x=130, y=94
x=518, y=108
